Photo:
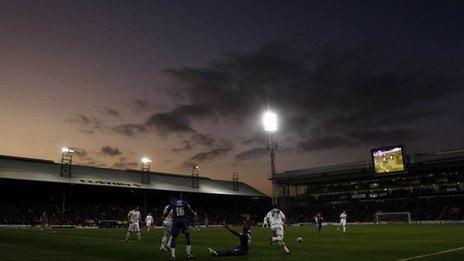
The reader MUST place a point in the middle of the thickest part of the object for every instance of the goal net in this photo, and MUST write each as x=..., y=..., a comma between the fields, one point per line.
x=393, y=217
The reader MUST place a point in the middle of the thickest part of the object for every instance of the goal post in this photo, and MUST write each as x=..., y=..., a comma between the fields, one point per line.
x=392, y=217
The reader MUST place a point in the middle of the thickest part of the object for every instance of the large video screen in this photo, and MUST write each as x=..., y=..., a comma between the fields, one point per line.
x=388, y=160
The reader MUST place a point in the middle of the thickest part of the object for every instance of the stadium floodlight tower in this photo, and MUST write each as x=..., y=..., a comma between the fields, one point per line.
x=145, y=174
x=195, y=176
x=146, y=163
x=66, y=161
x=270, y=126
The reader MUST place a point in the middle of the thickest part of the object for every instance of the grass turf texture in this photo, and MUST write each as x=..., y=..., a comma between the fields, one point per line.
x=375, y=242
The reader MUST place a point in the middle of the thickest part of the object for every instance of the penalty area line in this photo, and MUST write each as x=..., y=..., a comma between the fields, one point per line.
x=432, y=254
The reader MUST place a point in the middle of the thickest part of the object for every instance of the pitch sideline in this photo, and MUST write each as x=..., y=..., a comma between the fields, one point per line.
x=432, y=254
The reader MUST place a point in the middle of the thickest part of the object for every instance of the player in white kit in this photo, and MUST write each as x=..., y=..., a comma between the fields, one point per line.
x=134, y=227
x=167, y=224
x=149, y=221
x=342, y=221
x=265, y=222
x=276, y=220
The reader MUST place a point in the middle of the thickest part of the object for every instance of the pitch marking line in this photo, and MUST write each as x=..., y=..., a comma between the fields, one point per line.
x=432, y=254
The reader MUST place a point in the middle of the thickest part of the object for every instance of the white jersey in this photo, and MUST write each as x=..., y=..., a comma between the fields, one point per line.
x=342, y=217
x=149, y=219
x=275, y=217
x=134, y=216
x=168, y=218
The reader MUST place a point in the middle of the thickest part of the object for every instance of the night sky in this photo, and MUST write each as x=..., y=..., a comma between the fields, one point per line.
x=186, y=82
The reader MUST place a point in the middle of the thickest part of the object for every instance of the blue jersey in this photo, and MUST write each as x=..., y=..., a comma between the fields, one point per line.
x=179, y=209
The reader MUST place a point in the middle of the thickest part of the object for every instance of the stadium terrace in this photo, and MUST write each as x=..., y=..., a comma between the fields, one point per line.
x=430, y=187
x=26, y=169
x=91, y=194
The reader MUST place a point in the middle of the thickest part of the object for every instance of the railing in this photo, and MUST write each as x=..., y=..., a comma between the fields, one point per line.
x=435, y=156
x=346, y=167
x=367, y=165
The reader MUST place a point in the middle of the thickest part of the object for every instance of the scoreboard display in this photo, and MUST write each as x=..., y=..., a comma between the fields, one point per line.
x=388, y=160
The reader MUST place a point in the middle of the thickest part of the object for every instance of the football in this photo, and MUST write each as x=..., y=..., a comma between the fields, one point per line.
x=299, y=239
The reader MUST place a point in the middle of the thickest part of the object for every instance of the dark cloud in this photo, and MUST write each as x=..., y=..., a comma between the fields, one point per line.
x=83, y=156
x=199, y=139
x=88, y=124
x=110, y=112
x=141, y=105
x=374, y=137
x=186, y=146
x=209, y=155
x=80, y=153
x=259, y=138
x=124, y=163
x=110, y=151
x=178, y=120
x=86, y=131
x=254, y=153
x=168, y=123
x=130, y=130
x=347, y=91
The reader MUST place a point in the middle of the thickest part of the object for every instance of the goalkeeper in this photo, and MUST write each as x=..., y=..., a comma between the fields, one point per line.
x=242, y=250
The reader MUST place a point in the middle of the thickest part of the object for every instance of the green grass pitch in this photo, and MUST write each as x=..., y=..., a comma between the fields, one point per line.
x=374, y=242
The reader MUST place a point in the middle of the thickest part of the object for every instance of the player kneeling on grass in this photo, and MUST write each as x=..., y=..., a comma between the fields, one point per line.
x=134, y=227
x=276, y=220
x=242, y=249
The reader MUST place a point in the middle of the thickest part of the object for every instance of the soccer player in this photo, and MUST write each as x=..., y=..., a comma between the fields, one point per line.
x=43, y=221
x=149, y=221
x=134, y=227
x=206, y=221
x=167, y=225
x=265, y=224
x=319, y=219
x=276, y=220
x=242, y=249
x=196, y=222
x=342, y=221
x=180, y=209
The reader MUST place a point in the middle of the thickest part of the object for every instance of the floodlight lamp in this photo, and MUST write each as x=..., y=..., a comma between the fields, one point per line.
x=146, y=160
x=270, y=121
x=67, y=150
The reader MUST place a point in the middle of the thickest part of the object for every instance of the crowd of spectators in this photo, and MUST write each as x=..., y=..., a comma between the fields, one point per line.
x=29, y=212
x=430, y=209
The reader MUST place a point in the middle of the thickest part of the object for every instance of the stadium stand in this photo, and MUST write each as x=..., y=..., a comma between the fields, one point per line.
x=431, y=188
x=29, y=187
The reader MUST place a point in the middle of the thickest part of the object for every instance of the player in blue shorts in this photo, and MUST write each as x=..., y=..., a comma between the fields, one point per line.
x=242, y=249
x=180, y=211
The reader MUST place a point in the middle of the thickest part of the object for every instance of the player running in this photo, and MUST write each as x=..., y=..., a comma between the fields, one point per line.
x=149, y=221
x=167, y=225
x=342, y=221
x=134, y=219
x=242, y=249
x=180, y=209
x=206, y=220
x=196, y=222
x=319, y=219
x=265, y=224
x=276, y=220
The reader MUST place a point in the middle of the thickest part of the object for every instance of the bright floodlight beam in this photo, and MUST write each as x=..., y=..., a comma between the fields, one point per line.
x=270, y=121
x=146, y=160
x=270, y=126
x=67, y=150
